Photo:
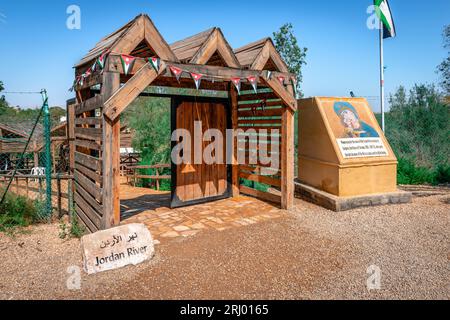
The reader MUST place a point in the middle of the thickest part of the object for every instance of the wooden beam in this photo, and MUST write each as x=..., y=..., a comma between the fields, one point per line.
x=216, y=43
x=157, y=42
x=234, y=123
x=287, y=160
x=123, y=97
x=269, y=52
x=111, y=152
x=281, y=92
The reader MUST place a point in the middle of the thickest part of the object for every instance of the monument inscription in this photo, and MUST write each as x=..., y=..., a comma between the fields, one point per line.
x=117, y=247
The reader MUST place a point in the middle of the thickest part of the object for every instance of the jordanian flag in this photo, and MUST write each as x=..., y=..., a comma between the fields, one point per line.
x=384, y=13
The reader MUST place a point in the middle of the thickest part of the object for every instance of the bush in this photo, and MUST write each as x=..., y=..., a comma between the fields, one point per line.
x=18, y=211
x=417, y=128
x=443, y=174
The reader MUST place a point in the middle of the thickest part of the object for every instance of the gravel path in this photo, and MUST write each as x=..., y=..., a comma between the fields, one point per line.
x=311, y=254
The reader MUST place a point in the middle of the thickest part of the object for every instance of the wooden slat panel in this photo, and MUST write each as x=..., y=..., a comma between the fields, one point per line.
x=89, y=199
x=88, y=121
x=93, y=134
x=259, y=121
x=257, y=97
x=261, y=113
x=257, y=169
x=88, y=210
x=89, y=173
x=261, y=179
x=276, y=103
x=151, y=177
x=88, y=161
x=88, y=144
x=85, y=220
x=260, y=194
x=88, y=185
x=89, y=105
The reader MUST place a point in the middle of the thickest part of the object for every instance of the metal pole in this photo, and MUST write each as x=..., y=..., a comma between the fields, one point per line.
x=48, y=164
x=382, y=77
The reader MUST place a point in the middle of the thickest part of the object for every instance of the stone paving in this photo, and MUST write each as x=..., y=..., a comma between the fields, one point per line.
x=140, y=205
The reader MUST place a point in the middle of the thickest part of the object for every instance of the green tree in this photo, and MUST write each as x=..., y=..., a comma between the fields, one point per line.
x=3, y=104
x=149, y=118
x=295, y=57
x=444, y=67
x=418, y=127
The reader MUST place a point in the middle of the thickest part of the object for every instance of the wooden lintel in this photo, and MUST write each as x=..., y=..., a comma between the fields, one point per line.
x=114, y=106
x=280, y=91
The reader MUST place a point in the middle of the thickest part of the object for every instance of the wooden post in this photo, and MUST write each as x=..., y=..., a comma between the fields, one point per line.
x=111, y=156
x=157, y=180
x=234, y=123
x=35, y=154
x=27, y=187
x=59, y=195
x=287, y=159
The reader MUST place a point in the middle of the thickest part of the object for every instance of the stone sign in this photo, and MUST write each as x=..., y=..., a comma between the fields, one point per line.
x=117, y=247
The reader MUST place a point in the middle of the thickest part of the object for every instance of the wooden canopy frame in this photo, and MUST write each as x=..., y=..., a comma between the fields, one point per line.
x=94, y=118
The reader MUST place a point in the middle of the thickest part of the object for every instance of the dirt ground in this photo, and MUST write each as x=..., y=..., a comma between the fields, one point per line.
x=312, y=253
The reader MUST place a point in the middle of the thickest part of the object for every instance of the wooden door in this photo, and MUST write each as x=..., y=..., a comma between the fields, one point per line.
x=194, y=183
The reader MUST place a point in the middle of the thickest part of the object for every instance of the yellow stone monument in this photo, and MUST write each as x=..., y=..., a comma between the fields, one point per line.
x=342, y=150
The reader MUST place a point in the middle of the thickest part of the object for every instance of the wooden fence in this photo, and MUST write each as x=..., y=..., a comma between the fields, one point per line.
x=33, y=187
x=157, y=176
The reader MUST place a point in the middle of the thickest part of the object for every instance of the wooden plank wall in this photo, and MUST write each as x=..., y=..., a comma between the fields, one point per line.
x=260, y=111
x=87, y=162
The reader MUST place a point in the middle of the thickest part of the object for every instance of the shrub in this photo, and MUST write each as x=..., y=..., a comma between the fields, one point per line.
x=18, y=211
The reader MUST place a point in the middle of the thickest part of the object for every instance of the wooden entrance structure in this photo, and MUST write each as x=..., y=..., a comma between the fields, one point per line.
x=94, y=119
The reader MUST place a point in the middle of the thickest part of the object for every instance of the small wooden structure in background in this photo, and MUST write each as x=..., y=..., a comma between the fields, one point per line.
x=95, y=136
x=13, y=142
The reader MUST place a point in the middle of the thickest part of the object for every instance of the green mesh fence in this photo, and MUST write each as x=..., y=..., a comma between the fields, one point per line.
x=34, y=163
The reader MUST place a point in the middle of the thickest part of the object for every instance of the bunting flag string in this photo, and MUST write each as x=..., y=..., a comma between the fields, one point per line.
x=127, y=62
x=294, y=86
x=101, y=60
x=237, y=84
x=254, y=82
x=197, y=79
x=176, y=72
x=155, y=62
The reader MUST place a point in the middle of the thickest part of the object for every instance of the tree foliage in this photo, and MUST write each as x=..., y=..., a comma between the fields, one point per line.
x=418, y=127
x=294, y=56
x=444, y=67
x=149, y=119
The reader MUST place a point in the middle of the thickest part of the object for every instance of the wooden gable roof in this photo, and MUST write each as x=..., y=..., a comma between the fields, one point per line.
x=7, y=131
x=138, y=37
x=261, y=55
x=207, y=47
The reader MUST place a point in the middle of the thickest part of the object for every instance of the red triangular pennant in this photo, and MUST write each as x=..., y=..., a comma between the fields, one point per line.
x=254, y=82
x=237, y=84
x=197, y=79
x=176, y=72
x=127, y=62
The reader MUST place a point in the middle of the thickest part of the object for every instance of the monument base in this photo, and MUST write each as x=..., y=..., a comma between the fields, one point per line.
x=332, y=202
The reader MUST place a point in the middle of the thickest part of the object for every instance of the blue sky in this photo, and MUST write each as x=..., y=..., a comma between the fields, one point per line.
x=38, y=51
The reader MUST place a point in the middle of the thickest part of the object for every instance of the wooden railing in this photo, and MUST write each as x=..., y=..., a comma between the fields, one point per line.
x=157, y=176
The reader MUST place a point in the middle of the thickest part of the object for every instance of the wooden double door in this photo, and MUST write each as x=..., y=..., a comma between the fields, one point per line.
x=195, y=181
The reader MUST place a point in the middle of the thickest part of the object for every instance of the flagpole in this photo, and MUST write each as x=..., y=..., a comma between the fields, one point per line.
x=382, y=77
